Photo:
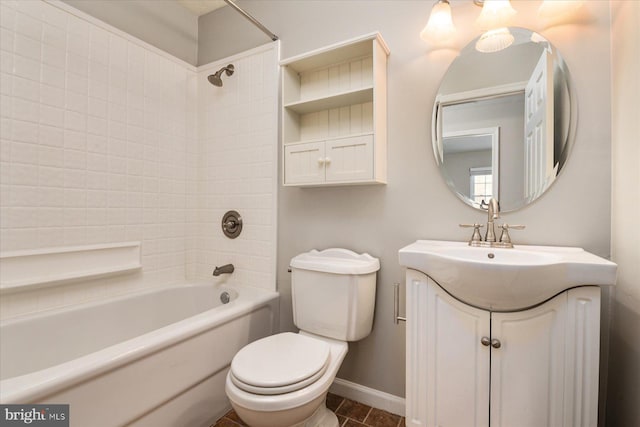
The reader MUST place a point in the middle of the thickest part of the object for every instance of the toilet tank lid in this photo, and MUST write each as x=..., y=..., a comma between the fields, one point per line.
x=337, y=261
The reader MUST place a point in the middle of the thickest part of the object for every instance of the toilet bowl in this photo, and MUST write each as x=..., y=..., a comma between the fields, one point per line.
x=282, y=380
x=300, y=401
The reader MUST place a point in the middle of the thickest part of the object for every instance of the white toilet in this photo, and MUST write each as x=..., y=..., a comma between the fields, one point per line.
x=282, y=380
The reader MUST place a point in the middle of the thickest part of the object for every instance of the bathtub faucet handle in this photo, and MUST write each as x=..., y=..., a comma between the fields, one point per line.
x=225, y=269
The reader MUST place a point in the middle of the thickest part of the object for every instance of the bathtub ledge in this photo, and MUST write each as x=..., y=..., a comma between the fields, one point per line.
x=32, y=269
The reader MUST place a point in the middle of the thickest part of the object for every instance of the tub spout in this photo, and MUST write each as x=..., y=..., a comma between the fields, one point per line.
x=225, y=269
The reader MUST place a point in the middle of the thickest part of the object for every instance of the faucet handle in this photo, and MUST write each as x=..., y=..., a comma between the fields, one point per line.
x=476, y=237
x=475, y=225
x=505, y=237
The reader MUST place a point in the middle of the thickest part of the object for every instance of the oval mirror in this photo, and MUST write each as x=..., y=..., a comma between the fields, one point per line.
x=503, y=121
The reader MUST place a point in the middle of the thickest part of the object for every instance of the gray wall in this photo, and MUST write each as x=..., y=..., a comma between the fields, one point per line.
x=163, y=24
x=416, y=203
x=624, y=383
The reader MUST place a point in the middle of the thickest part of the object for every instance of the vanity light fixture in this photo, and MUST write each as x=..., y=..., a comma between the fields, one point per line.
x=439, y=29
x=494, y=40
x=493, y=20
x=553, y=12
x=549, y=8
x=495, y=14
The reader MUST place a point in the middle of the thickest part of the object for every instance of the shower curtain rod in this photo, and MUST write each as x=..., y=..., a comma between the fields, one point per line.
x=253, y=20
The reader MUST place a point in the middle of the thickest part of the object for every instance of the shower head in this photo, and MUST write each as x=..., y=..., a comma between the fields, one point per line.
x=216, y=78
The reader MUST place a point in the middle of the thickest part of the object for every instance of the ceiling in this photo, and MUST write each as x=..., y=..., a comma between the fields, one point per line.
x=201, y=7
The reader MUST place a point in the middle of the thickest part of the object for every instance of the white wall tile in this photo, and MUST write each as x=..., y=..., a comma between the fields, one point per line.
x=54, y=36
x=27, y=25
x=24, y=132
x=53, y=76
x=26, y=89
x=234, y=164
x=50, y=116
x=27, y=47
x=50, y=156
x=104, y=140
x=52, y=96
x=7, y=16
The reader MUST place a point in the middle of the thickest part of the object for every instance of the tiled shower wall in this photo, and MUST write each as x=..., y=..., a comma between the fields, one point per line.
x=237, y=168
x=99, y=144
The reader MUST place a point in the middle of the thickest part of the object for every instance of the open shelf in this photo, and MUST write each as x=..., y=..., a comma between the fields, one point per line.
x=343, y=99
x=32, y=269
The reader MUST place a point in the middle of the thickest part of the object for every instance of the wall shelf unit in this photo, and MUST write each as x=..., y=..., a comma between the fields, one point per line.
x=334, y=114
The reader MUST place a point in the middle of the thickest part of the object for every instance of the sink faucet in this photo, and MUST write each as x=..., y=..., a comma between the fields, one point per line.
x=225, y=269
x=490, y=241
x=493, y=212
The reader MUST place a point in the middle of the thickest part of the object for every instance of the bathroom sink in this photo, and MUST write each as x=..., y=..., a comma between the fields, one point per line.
x=506, y=279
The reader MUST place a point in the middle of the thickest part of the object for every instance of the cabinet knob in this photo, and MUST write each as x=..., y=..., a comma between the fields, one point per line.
x=320, y=160
x=495, y=343
x=485, y=341
x=327, y=160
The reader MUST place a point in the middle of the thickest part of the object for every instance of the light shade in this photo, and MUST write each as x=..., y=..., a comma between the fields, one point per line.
x=495, y=14
x=552, y=8
x=439, y=29
x=494, y=40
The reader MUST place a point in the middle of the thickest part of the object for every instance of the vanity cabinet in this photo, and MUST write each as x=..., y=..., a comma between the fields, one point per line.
x=535, y=367
x=334, y=114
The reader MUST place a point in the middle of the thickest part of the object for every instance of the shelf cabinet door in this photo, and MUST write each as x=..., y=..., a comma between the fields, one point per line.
x=304, y=163
x=349, y=159
x=448, y=381
x=527, y=370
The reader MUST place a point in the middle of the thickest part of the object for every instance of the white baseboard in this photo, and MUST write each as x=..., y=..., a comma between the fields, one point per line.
x=369, y=396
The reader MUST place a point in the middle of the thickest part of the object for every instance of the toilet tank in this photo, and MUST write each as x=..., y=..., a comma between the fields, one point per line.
x=334, y=292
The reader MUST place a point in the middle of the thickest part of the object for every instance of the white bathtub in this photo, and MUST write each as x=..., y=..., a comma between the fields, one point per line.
x=156, y=358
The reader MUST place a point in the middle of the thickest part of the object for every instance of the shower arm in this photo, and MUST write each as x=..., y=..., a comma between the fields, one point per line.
x=253, y=20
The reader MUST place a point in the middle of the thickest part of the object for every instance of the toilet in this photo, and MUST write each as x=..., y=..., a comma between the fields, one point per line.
x=282, y=380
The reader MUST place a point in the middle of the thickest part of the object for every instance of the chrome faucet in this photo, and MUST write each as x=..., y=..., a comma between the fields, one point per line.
x=225, y=269
x=490, y=241
x=493, y=212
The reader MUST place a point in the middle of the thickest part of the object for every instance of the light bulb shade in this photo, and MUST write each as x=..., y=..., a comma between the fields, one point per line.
x=551, y=8
x=495, y=14
x=494, y=40
x=439, y=29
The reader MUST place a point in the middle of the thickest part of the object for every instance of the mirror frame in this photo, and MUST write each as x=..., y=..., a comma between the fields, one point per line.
x=567, y=143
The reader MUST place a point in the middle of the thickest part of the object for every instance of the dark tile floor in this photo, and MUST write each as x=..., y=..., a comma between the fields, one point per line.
x=350, y=414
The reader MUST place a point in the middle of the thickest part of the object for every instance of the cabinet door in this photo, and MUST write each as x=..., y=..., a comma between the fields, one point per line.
x=447, y=366
x=350, y=159
x=527, y=370
x=304, y=163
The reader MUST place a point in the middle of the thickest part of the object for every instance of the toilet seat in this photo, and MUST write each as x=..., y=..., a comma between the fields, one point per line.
x=279, y=364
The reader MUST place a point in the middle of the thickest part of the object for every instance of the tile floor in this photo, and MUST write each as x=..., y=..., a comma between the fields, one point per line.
x=350, y=414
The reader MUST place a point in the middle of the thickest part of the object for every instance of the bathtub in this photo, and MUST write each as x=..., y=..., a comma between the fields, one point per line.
x=154, y=358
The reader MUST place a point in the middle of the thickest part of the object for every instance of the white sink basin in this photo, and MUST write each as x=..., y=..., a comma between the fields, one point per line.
x=506, y=279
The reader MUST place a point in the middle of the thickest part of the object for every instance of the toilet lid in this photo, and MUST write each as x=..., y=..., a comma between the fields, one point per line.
x=280, y=363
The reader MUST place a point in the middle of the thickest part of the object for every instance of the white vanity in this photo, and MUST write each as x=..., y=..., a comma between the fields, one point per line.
x=502, y=337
